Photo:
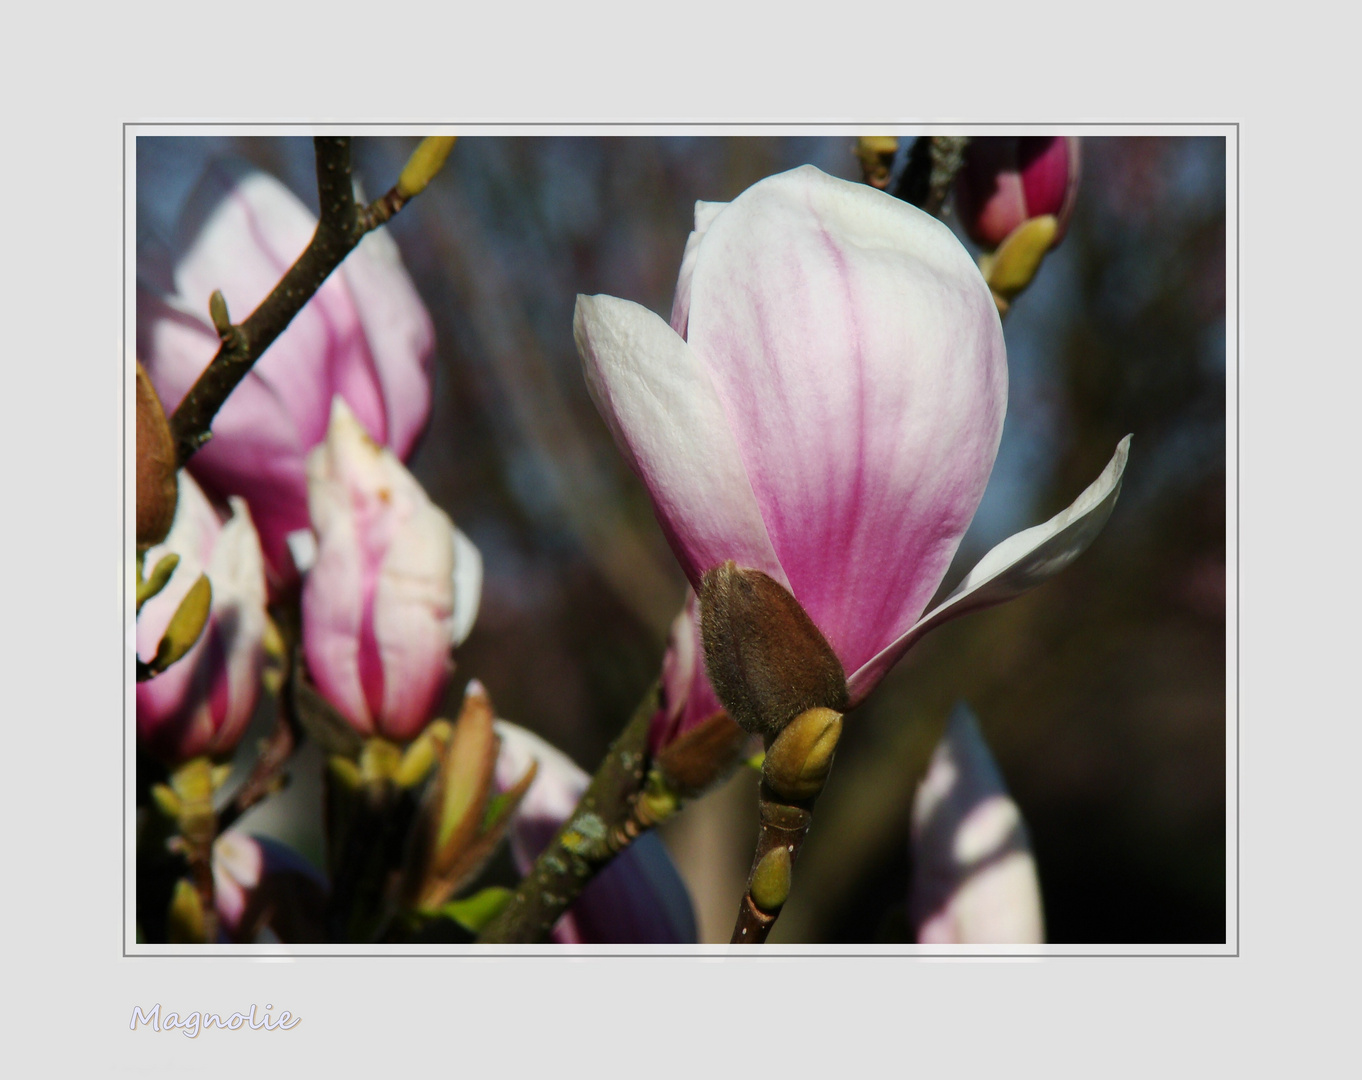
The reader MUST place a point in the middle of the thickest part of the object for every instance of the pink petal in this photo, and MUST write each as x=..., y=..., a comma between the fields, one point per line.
x=413, y=615
x=364, y=336
x=858, y=355
x=688, y=699
x=379, y=604
x=1017, y=565
x=661, y=407
x=399, y=334
x=335, y=593
x=203, y=702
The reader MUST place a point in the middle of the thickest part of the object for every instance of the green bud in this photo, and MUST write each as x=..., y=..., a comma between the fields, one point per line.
x=186, y=924
x=160, y=575
x=378, y=760
x=1016, y=261
x=771, y=880
x=186, y=625
x=426, y=160
x=422, y=755
x=800, y=757
x=476, y=911
x=344, y=772
x=166, y=801
x=217, y=311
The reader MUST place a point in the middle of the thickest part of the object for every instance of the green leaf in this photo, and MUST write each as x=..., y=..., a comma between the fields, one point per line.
x=476, y=911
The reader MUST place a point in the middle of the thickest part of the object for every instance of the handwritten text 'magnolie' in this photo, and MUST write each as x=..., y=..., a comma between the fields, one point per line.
x=190, y=1023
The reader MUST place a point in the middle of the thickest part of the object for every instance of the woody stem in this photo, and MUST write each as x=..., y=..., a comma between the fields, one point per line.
x=603, y=824
x=783, y=828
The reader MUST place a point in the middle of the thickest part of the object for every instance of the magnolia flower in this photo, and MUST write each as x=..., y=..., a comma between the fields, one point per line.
x=825, y=407
x=260, y=883
x=203, y=702
x=364, y=336
x=394, y=587
x=639, y=898
x=974, y=880
x=1007, y=181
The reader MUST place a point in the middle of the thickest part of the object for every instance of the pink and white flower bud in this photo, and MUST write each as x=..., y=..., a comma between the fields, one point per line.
x=974, y=879
x=365, y=337
x=825, y=407
x=1007, y=181
x=394, y=587
x=203, y=702
x=260, y=883
x=639, y=898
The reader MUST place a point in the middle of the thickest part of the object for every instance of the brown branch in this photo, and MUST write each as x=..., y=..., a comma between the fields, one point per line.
x=597, y=830
x=267, y=776
x=783, y=828
x=342, y=225
x=933, y=163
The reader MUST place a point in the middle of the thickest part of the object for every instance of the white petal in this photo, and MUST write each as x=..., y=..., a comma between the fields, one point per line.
x=552, y=796
x=661, y=407
x=705, y=213
x=974, y=878
x=302, y=549
x=467, y=587
x=1017, y=565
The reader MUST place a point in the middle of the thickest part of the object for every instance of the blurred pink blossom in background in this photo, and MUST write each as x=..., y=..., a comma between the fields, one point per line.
x=365, y=337
x=203, y=702
x=260, y=883
x=974, y=879
x=1006, y=182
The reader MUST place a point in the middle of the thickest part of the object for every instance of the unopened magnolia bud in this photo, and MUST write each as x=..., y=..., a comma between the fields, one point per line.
x=702, y=756
x=157, y=579
x=1007, y=181
x=217, y=311
x=1011, y=269
x=876, y=153
x=770, y=886
x=156, y=488
x=766, y=660
x=186, y=924
x=798, y=762
x=426, y=160
x=186, y=625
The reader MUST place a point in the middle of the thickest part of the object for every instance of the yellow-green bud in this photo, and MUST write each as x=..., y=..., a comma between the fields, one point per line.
x=426, y=160
x=160, y=575
x=771, y=880
x=800, y=757
x=186, y=924
x=186, y=625
x=157, y=488
x=1015, y=263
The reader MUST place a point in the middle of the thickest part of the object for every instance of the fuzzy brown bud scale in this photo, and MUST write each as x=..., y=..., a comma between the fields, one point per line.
x=157, y=492
x=765, y=658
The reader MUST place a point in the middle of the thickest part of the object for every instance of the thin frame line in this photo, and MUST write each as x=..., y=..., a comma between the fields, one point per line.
x=1238, y=482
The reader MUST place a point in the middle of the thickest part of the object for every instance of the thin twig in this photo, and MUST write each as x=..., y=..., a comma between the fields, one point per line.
x=267, y=776
x=342, y=225
x=783, y=825
x=933, y=163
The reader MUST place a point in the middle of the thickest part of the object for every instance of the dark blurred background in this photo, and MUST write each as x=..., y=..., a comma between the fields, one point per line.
x=1102, y=694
